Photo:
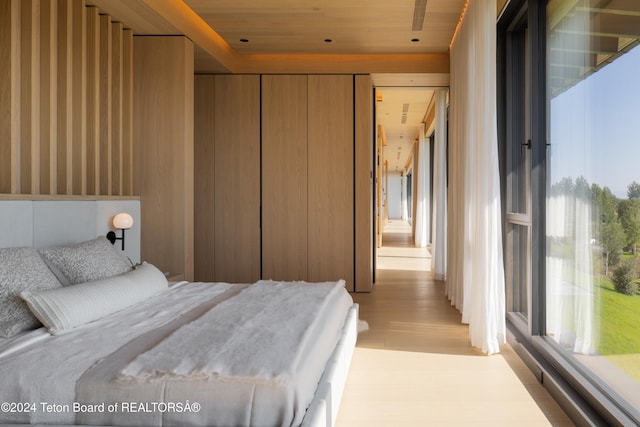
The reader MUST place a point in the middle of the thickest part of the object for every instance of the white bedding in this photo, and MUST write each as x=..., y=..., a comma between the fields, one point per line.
x=293, y=314
x=71, y=369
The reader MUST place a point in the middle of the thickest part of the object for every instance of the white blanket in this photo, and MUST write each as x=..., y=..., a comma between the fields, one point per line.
x=262, y=314
x=227, y=374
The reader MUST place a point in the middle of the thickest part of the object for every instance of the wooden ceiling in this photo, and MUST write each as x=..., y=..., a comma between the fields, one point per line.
x=288, y=36
x=332, y=26
x=400, y=111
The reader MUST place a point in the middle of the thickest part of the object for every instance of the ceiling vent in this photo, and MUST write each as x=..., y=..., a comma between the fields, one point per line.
x=419, y=9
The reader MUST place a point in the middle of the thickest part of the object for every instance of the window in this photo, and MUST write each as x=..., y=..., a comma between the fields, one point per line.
x=571, y=85
x=518, y=211
x=593, y=211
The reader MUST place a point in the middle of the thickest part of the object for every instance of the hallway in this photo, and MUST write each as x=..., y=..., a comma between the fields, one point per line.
x=415, y=366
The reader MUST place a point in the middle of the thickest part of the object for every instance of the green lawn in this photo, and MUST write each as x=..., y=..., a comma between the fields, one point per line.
x=619, y=328
x=619, y=321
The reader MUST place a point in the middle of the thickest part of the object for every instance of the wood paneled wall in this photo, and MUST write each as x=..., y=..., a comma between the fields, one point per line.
x=284, y=177
x=67, y=118
x=331, y=172
x=227, y=184
x=236, y=189
x=164, y=153
x=296, y=201
x=65, y=100
x=364, y=183
x=204, y=206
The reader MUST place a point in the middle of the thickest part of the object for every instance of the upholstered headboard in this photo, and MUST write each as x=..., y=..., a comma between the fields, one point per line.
x=45, y=223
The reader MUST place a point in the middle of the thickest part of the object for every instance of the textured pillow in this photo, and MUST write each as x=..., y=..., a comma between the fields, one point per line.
x=87, y=261
x=64, y=280
x=65, y=308
x=21, y=269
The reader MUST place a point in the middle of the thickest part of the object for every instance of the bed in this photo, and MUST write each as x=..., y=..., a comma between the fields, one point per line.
x=114, y=345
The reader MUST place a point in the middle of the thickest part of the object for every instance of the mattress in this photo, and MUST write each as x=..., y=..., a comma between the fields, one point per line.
x=72, y=378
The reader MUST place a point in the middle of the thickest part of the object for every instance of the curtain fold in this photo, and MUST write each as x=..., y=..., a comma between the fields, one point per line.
x=475, y=275
x=571, y=292
x=423, y=233
x=404, y=207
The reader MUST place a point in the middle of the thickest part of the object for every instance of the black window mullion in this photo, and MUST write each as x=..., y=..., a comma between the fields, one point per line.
x=538, y=121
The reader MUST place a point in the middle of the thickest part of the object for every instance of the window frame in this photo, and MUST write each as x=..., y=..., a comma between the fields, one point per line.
x=583, y=396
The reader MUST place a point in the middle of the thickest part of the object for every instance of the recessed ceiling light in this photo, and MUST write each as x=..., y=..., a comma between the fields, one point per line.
x=328, y=40
x=415, y=40
x=244, y=40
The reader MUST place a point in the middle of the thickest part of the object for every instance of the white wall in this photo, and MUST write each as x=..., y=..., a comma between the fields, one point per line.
x=45, y=223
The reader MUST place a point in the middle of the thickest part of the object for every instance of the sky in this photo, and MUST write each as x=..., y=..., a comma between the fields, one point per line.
x=595, y=127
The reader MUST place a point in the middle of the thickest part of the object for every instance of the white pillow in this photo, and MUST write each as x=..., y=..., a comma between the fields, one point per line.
x=21, y=269
x=87, y=261
x=65, y=308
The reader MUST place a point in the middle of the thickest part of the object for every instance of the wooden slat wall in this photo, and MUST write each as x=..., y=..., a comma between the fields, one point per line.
x=126, y=179
x=55, y=79
x=29, y=27
x=48, y=93
x=7, y=37
x=284, y=177
x=65, y=87
x=77, y=167
x=237, y=178
x=331, y=172
x=116, y=108
x=106, y=97
x=93, y=101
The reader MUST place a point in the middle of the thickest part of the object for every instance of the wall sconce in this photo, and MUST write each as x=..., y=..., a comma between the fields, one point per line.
x=122, y=221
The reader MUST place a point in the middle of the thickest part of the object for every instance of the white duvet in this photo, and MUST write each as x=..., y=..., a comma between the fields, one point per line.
x=267, y=312
x=100, y=368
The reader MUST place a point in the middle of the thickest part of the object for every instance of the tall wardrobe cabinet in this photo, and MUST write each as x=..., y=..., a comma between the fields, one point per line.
x=275, y=178
x=227, y=178
x=307, y=177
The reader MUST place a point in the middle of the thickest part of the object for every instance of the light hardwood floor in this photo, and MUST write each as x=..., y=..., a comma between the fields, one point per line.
x=415, y=365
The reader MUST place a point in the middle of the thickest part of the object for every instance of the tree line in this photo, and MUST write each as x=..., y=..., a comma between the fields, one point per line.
x=615, y=221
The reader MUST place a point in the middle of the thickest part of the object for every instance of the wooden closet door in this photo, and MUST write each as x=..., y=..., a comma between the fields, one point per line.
x=284, y=177
x=331, y=175
x=204, y=177
x=237, y=178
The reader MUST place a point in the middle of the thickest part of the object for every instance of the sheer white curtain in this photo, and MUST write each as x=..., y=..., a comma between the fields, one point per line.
x=439, y=223
x=422, y=234
x=570, y=286
x=476, y=272
x=405, y=197
x=571, y=291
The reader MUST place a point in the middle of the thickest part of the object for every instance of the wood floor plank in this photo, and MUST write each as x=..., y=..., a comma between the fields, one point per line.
x=415, y=366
